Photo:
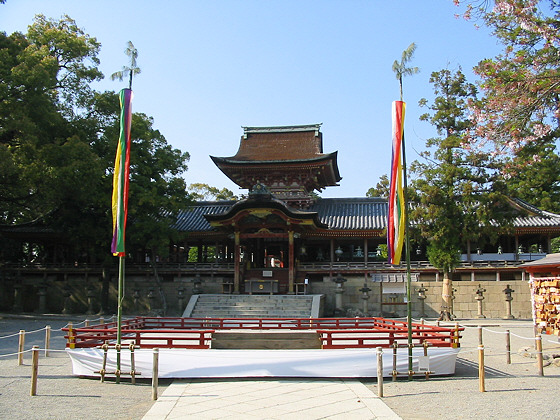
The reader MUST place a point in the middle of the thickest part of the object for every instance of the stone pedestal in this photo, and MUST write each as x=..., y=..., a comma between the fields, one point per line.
x=42, y=299
x=508, y=291
x=479, y=298
x=339, y=280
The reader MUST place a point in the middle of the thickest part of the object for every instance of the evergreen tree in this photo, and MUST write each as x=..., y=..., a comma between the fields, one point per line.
x=459, y=197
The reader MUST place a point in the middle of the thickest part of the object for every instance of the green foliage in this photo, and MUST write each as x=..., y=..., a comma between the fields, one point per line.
x=381, y=189
x=202, y=191
x=518, y=120
x=459, y=197
x=132, y=69
x=400, y=68
x=57, y=146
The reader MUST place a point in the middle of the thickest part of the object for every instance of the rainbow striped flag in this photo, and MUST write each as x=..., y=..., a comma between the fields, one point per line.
x=121, y=175
x=396, y=219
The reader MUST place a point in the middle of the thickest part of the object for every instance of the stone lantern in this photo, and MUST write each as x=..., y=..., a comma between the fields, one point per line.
x=339, y=280
x=508, y=291
x=422, y=298
x=365, y=297
x=479, y=298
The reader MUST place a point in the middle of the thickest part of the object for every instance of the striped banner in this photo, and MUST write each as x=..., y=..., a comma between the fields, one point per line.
x=121, y=175
x=396, y=222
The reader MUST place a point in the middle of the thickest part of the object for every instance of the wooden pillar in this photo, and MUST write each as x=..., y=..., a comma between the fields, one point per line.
x=237, y=264
x=291, y=263
x=365, y=251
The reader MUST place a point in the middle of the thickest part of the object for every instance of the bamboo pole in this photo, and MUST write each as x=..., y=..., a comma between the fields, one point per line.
x=119, y=312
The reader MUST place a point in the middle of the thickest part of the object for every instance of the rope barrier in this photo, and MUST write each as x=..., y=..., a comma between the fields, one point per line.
x=8, y=336
x=26, y=332
x=495, y=332
x=525, y=338
x=15, y=354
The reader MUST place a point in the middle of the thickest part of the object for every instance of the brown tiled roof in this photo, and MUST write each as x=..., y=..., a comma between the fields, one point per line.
x=280, y=144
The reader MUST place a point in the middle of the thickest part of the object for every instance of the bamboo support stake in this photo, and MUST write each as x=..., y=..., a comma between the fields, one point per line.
x=34, y=370
x=155, y=374
x=132, y=364
x=508, y=347
x=425, y=345
x=480, y=343
x=21, y=344
x=379, y=372
x=538, y=345
x=47, y=340
x=395, y=373
x=481, y=386
x=118, y=370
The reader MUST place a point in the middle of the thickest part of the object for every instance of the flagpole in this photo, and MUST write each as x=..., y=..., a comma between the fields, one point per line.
x=407, y=248
x=119, y=314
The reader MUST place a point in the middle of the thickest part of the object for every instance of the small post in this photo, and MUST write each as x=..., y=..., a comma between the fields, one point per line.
x=379, y=372
x=34, y=370
x=47, y=340
x=102, y=320
x=21, y=344
x=480, y=335
x=508, y=347
x=71, y=341
x=456, y=338
x=538, y=340
x=86, y=323
x=481, y=387
x=155, y=374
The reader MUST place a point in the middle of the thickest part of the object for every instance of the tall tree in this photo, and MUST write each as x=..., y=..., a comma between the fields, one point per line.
x=57, y=143
x=518, y=121
x=44, y=80
x=459, y=198
x=202, y=191
x=381, y=189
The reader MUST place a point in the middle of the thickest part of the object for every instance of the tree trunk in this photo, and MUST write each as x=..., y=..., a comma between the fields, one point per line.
x=106, y=281
x=159, y=285
x=446, y=295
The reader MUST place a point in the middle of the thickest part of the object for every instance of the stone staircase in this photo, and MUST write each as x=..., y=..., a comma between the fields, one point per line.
x=254, y=306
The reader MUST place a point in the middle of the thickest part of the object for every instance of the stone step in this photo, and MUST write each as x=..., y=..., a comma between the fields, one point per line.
x=265, y=340
x=252, y=306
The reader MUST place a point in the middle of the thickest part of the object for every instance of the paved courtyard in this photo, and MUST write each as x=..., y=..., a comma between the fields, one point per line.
x=513, y=391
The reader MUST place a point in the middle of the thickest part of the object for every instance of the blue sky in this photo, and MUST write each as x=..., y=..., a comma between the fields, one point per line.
x=211, y=67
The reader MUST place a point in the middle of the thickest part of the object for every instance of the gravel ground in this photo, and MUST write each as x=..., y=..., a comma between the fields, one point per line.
x=59, y=394
x=513, y=391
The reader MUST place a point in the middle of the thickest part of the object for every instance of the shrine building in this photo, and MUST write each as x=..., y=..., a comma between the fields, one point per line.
x=282, y=238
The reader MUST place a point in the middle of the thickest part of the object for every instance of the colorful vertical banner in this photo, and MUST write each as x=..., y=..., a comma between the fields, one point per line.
x=121, y=175
x=396, y=218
